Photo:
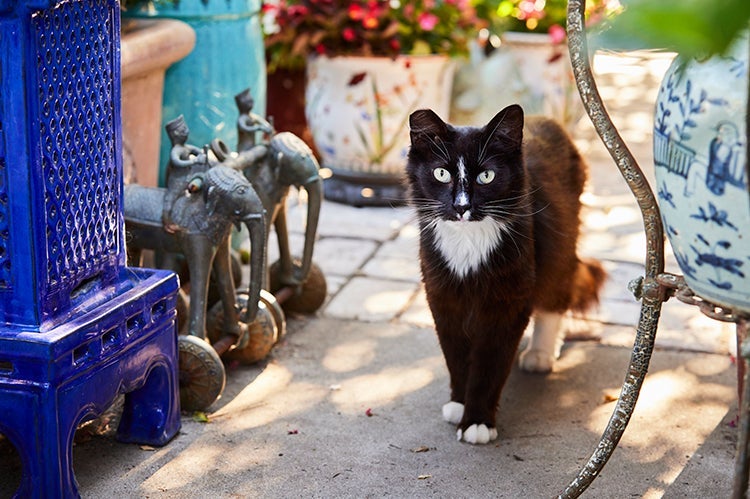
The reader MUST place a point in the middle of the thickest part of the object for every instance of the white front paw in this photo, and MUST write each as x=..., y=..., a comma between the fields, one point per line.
x=536, y=361
x=477, y=434
x=453, y=412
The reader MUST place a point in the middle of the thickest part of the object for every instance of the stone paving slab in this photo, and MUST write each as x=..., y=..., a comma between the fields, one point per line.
x=339, y=220
x=369, y=299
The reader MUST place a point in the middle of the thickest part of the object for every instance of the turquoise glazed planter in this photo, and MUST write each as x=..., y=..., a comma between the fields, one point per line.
x=700, y=153
x=228, y=57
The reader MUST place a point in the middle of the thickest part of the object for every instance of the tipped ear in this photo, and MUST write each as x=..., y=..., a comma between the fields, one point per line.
x=424, y=126
x=507, y=125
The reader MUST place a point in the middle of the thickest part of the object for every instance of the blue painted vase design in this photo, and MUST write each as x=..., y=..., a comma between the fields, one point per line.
x=701, y=171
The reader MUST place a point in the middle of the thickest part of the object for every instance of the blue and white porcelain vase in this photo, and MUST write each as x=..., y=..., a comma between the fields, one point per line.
x=700, y=153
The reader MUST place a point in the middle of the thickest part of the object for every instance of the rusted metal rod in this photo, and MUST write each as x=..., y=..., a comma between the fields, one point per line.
x=284, y=294
x=652, y=294
x=741, y=464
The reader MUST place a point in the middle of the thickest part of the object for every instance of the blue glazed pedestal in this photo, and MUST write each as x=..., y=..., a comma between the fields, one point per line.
x=51, y=382
x=228, y=57
x=701, y=172
x=77, y=327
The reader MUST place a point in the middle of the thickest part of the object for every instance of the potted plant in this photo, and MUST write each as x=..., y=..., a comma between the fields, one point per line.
x=528, y=62
x=369, y=64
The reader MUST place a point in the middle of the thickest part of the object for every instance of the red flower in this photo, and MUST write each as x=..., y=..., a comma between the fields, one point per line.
x=356, y=12
x=557, y=33
x=370, y=22
x=428, y=21
x=348, y=34
x=298, y=11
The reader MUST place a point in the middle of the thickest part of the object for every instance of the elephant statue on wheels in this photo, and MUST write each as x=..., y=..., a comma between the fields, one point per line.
x=194, y=216
x=286, y=161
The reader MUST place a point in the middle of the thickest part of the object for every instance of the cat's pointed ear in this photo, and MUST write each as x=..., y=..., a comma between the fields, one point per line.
x=424, y=126
x=507, y=125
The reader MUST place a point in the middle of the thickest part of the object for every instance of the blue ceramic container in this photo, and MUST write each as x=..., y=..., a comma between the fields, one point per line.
x=228, y=57
x=700, y=153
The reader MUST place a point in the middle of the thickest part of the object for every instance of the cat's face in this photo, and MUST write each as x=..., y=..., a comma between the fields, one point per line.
x=466, y=174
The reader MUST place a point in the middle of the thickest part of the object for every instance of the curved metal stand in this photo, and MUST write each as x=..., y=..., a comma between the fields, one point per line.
x=651, y=292
x=655, y=288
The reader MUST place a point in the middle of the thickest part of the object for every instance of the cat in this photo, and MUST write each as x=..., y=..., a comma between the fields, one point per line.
x=498, y=211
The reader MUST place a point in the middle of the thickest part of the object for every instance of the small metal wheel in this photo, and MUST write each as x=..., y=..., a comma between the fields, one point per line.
x=278, y=313
x=202, y=375
x=263, y=333
x=313, y=292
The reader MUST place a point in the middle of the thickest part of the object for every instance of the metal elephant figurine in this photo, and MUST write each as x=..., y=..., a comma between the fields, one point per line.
x=287, y=161
x=194, y=216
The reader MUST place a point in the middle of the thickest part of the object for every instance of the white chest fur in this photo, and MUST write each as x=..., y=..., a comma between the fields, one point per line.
x=466, y=245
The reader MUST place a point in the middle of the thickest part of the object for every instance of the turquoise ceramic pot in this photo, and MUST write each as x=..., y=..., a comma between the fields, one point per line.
x=228, y=57
x=700, y=153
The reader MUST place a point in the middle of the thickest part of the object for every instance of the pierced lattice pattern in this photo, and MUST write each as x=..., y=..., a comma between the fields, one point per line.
x=77, y=136
x=5, y=261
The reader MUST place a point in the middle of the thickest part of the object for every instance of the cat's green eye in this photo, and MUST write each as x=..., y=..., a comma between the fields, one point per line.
x=485, y=177
x=442, y=175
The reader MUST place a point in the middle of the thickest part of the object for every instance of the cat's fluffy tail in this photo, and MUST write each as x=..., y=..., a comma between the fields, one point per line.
x=587, y=283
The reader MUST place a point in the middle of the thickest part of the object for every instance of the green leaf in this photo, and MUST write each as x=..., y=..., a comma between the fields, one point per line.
x=421, y=47
x=200, y=417
x=694, y=28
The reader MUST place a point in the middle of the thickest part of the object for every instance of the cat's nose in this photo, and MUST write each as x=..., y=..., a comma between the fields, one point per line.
x=461, y=207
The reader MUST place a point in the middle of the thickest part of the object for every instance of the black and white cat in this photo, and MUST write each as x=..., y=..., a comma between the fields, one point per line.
x=498, y=211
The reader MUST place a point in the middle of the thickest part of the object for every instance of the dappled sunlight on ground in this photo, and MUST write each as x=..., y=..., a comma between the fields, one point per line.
x=380, y=388
x=384, y=301
x=256, y=405
x=349, y=356
x=611, y=219
x=663, y=393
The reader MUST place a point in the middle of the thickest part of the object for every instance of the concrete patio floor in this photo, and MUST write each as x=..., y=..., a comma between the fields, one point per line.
x=348, y=404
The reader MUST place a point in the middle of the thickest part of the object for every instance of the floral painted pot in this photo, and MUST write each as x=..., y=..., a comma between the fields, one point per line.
x=358, y=111
x=528, y=69
x=700, y=153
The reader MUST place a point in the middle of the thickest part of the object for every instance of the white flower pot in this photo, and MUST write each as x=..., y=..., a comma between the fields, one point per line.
x=527, y=69
x=358, y=112
x=701, y=173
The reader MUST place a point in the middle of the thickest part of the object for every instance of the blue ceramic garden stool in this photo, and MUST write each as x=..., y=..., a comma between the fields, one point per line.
x=77, y=327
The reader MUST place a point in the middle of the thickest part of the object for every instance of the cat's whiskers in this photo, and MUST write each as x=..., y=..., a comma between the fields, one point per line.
x=512, y=233
x=489, y=138
x=483, y=149
x=440, y=149
x=529, y=196
x=512, y=211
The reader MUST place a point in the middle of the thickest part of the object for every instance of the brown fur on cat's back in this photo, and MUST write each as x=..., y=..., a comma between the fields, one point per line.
x=557, y=175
